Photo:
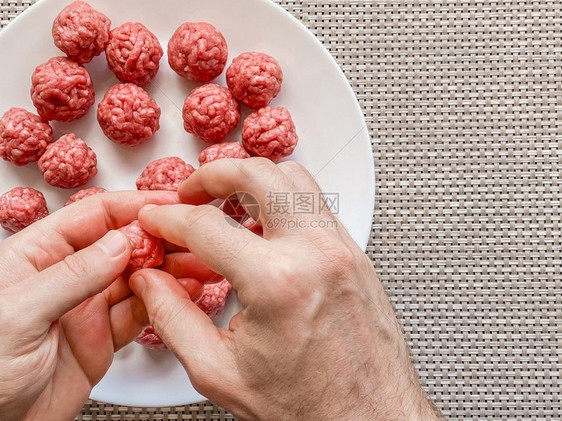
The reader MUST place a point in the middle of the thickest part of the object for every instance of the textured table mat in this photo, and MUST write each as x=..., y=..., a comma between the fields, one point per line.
x=463, y=99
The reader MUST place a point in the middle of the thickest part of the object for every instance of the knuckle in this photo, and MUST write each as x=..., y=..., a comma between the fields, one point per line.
x=198, y=214
x=340, y=262
x=78, y=267
x=6, y=313
x=165, y=315
x=298, y=176
x=257, y=166
x=288, y=282
x=14, y=316
x=291, y=167
x=159, y=313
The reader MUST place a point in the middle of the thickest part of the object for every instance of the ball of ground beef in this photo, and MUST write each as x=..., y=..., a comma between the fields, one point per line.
x=222, y=150
x=147, y=250
x=20, y=207
x=68, y=162
x=133, y=53
x=81, y=32
x=61, y=89
x=82, y=194
x=270, y=133
x=210, y=112
x=151, y=340
x=128, y=115
x=212, y=302
x=164, y=174
x=214, y=297
x=254, y=78
x=23, y=136
x=197, y=51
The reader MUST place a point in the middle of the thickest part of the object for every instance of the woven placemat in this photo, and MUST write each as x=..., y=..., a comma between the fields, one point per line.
x=463, y=99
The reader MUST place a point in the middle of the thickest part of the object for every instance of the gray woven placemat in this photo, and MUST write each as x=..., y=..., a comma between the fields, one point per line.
x=463, y=99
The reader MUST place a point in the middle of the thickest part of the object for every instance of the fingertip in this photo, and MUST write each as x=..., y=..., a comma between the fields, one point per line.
x=145, y=282
x=137, y=283
x=128, y=318
x=194, y=287
x=192, y=192
x=114, y=244
x=148, y=207
x=149, y=218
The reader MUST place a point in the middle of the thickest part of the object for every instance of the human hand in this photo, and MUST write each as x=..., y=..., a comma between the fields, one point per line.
x=62, y=314
x=317, y=337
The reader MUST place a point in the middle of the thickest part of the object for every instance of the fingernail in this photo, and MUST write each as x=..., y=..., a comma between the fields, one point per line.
x=138, y=283
x=148, y=207
x=113, y=243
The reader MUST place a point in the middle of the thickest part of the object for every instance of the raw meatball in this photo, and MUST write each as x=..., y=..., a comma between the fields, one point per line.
x=148, y=250
x=133, y=53
x=128, y=115
x=212, y=302
x=214, y=296
x=81, y=32
x=270, y=133
x=68, y=162
x=254, y=78
x=210, y=112
x=21, y=207
x=61, y=89
x=164, y=174
x=151, y=340
x=82, y=194
x=23, y=136
x=222, y=150
x=197, y=51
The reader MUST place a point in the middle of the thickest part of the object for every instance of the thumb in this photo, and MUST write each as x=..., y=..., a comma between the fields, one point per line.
x=184, y=328
x=46, y=296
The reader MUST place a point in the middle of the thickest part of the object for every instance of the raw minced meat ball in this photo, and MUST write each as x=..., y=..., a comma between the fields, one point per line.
x=61, y=89
x=197, y=51
x=164, y=174
x=68, y=162
x=133, y=53
x=128, y=115
x=270, y=133
x=147, y=250
x=81, y=32
x=254, y=78
x=151, y=340
x=82, y=194
x=222, y=150
x=20, y=207
x=214, y=297
x=212, y=302
x=210, y=112
x=23, y=136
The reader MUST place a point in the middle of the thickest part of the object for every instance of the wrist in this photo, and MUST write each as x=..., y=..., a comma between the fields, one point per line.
x=404, y=400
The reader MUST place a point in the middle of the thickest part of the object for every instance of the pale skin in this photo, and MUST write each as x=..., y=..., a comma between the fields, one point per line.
x=317, y=337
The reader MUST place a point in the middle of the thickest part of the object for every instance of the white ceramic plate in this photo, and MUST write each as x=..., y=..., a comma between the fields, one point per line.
x=334, y=142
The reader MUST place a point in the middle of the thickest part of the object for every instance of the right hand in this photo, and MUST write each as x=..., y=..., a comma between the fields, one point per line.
x=317, y=337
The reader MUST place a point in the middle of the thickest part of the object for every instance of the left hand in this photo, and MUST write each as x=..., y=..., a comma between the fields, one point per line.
x=62, y=315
